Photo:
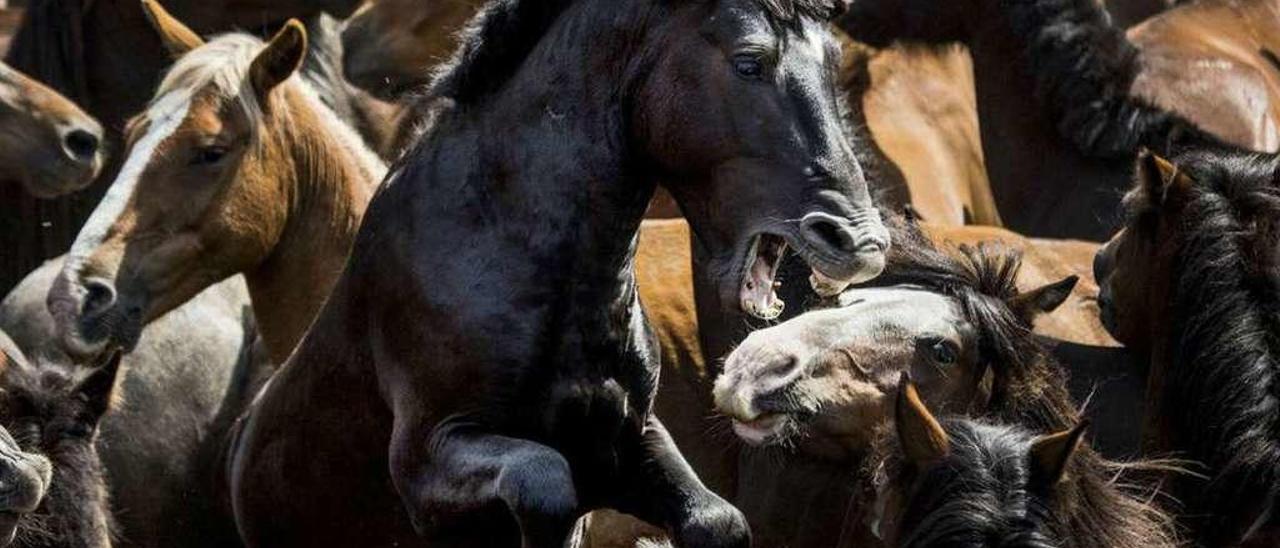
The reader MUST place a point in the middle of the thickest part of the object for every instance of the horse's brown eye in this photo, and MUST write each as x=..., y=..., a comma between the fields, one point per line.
x=748, y=66
x=209, y=155
x=944, y=352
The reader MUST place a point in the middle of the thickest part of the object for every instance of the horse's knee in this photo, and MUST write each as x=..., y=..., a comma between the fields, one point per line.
x=539, y=487
x=716, y=524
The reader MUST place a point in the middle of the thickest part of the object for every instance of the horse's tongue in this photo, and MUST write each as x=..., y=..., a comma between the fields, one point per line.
x=827, y=287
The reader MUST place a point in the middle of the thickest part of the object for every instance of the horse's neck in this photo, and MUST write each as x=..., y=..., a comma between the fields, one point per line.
x=1034, y=173
x=334, y=178
x=77, y=502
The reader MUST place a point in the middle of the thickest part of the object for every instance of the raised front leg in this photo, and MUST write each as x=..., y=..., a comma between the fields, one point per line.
x=458, y=489
x=662, y=489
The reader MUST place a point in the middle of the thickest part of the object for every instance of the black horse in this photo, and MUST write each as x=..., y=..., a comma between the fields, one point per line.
x=482, y=373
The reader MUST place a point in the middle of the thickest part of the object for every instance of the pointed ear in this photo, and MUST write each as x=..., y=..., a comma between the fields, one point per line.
x=99, y=387
x=177, y=37
x=922, y=438
x=280, y=59
x=1043, y=300
x=1050, y=454
x=1159, y=177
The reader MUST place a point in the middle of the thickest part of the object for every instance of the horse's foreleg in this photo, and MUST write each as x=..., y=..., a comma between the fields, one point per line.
x=453, y=488
x=663, y=489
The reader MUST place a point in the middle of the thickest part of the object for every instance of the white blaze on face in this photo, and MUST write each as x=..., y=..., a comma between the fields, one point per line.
x=164, y=118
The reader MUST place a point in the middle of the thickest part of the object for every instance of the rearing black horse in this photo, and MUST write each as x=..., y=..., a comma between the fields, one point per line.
x=483, y=373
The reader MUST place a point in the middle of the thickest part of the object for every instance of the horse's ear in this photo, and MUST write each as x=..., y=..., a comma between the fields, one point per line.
x=1159, y=177
x=923, y=439
x=1050, y=454
x=1043, y=300
x=177, y=37
x=99, y=388
x=280, y=59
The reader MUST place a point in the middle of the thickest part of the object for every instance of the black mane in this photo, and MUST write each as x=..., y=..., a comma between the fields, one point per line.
x=1028, y=387
x=503, y=33
x=1083, y=67
x=980, y=492
x=1222, y=398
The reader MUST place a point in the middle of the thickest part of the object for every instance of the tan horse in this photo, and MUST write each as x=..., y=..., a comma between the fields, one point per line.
x=47, y=144
x=236, y=167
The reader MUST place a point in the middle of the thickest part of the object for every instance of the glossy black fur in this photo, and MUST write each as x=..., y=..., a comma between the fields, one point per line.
x=483, y=373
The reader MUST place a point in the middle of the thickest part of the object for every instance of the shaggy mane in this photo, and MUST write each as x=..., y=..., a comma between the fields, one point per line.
x=1222, y=397
x=1094, y=508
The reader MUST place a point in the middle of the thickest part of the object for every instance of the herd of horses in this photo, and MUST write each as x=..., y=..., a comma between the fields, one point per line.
x=622, y=273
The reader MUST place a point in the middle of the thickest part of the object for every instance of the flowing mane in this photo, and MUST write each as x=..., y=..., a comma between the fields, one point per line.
x=1095, y=507
x=1223, y=378
x=503, y=33
x=1083, y=67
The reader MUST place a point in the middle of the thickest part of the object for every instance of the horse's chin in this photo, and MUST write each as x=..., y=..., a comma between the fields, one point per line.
x=89, y=338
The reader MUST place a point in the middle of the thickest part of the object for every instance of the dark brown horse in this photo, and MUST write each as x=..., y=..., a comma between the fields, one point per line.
x=488, y=393
x=1190, y=286
x=957, y=481
x=1054, y=82
x=103, y=55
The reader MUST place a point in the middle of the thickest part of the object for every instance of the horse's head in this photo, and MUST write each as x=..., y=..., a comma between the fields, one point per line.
x=203, y=193
x=827, y=377
x=959, y=482
x=739, y=114
x=389, y=46
x=53, y=413
x=879, y=23
x=48, y=145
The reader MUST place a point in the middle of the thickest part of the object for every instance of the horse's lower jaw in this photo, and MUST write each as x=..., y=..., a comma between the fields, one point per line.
x=758, y=295
x=761, y=430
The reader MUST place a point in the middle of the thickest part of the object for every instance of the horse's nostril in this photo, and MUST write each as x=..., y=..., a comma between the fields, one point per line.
x=99, y=297
x=831, y=234
x=81, y=144
x=783, y=368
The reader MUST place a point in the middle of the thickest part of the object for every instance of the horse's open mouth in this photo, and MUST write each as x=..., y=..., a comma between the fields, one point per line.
x=759, y=296
x=762, y=429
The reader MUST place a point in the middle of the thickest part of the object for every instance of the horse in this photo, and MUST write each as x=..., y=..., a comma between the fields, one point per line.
x=1187, y=285
x=432, y=426
x=284, y=185
x=809, y=393
x=103, y=55
x=1061, y=80
x=47, y=144
x=26, y=475
x=804, y=492
x=958, y=481
x=392, y=45
x=160, y=444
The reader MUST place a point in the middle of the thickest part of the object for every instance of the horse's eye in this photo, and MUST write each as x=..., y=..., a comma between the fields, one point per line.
x=748, y=66
x=209, y=155
x=944, y=352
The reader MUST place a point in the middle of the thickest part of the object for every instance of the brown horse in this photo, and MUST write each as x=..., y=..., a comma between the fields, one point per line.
x=47, y=144
x=392, y=45
x=1053, y=80
x=823, y=382
x=103, y=55
x=283, y=185
x=1189, y=285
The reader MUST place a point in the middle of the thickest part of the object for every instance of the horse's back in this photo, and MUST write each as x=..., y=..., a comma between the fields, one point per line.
x=921, y=109
x=159, y=444
x=1205, y=60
